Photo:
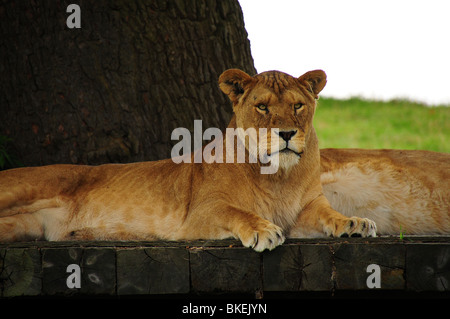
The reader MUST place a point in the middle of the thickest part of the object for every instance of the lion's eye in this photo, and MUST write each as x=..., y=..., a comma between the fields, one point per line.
x=262, y=107
x=298, y=106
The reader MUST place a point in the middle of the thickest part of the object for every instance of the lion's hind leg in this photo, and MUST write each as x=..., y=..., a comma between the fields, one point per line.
x=47, y=223
x=24, y=217
x=35, y=201
x=21, y=227
x=17, y=223
x=31, y=220
x=15, y=199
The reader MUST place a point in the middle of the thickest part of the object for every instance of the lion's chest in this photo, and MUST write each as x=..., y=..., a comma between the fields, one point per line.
x=281, y=209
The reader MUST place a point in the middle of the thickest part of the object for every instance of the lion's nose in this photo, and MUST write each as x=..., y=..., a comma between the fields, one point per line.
x=286, y=135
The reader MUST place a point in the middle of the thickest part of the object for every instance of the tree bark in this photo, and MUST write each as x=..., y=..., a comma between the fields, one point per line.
x=114, y=89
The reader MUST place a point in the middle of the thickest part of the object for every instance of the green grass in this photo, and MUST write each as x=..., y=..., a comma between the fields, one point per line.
x=396, y=124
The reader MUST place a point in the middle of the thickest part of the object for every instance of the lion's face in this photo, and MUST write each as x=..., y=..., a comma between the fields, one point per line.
x=281, y=105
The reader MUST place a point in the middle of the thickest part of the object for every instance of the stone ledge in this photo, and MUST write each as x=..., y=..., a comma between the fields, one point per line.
x=414, y=264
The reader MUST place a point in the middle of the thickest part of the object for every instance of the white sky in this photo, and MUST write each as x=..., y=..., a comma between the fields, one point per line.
x=379, y=49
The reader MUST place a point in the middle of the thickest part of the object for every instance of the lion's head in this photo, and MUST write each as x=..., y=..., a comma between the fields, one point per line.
x=275, y=100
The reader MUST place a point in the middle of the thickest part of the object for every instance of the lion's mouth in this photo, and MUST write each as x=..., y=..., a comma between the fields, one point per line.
x=288, y=150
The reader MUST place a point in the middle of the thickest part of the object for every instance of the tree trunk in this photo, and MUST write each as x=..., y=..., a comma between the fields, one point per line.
x=114, y=89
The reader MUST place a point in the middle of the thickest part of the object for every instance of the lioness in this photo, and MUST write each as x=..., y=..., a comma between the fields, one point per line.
x=164, y=200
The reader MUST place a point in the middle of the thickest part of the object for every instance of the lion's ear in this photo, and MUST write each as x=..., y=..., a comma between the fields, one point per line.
x=314, y=81
x=233, y=82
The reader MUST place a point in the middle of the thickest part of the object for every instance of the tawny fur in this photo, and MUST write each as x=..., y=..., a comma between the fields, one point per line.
x=403, y=191
x=164, y=200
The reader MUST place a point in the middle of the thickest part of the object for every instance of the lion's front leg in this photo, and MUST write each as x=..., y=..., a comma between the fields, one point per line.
x=252, y=230
x=259, y=234
x=319, y=218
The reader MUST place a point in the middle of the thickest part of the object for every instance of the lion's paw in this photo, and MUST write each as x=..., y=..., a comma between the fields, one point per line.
x=353, y=227
x=264, y=236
